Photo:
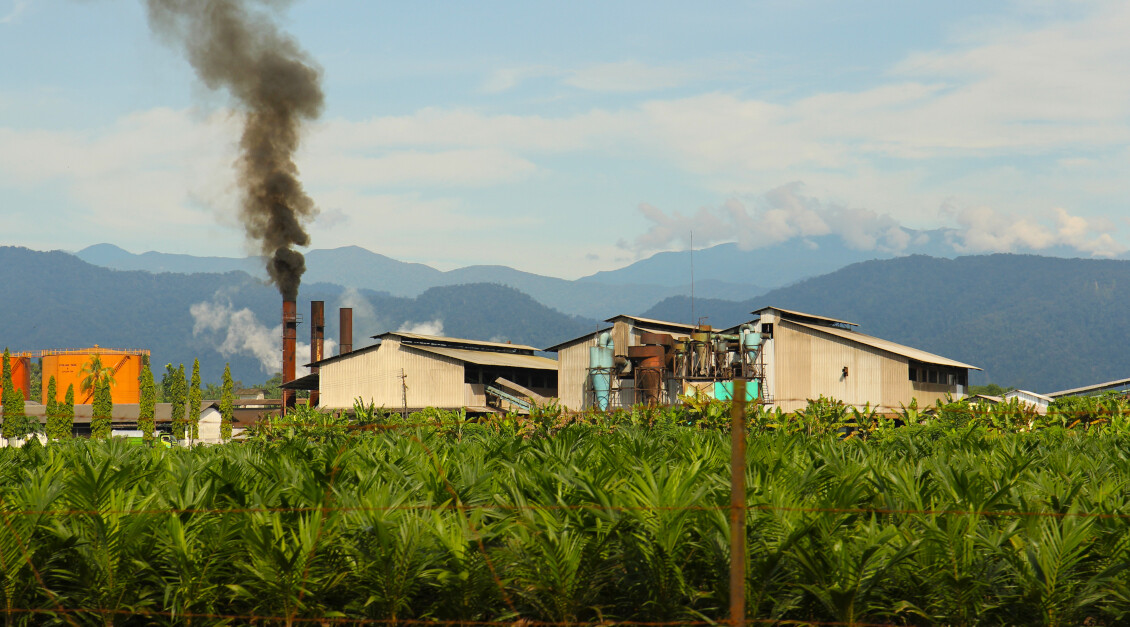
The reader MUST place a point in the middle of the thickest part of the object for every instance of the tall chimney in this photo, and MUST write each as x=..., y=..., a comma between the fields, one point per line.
x=346, y=327
x=290, y=335
x=317, y=335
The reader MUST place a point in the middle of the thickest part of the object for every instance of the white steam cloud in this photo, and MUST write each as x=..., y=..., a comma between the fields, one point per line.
x=433, y=327
x=239, y=332
x=364, y=316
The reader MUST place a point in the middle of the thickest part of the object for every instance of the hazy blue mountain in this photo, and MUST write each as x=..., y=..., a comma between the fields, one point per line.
x=1037, y=323
x=356, y=267
x=60, y=301
x=110, y=256
x=783, y=263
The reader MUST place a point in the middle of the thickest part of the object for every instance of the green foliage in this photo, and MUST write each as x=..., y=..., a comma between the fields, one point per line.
x=16, y=422
x=102, y=411
x=168, y=385
x=227, y=411
x=146, y=413
x=67, y=424
x=54, y=413
x=447, y=519
x=991, y=389
x=177, y=392
x=194, y=402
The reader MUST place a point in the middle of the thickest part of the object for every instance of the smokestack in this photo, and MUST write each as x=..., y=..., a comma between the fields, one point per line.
x=290, y=335
x=345, y=326
x=235, y=45
x=317, y=335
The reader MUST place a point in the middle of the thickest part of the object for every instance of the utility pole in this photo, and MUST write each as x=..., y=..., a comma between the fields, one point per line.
x=404, y=392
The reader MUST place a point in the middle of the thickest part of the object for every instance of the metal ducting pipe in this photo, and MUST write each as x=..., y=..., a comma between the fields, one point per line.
x=345, y=328
x=317, y=339
x=290, y=336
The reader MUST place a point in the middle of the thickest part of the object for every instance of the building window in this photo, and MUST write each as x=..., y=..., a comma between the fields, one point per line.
x=767, y=329
x=913, y=373
x=933, y=375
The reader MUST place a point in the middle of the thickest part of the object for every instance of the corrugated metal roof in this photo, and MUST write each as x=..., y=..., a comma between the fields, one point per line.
x=1015, y=393
x=490, y=358
x=1091, y=388
x=663, y=323
x=453, y=340
x=806, y=315
x=555, y=347
x=886, y=345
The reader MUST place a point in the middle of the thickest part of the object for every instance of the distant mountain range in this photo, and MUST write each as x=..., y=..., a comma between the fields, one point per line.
x=724, y=271
x=55, y=300
x=1040, y=323
x=1037, y=323
x=352, y=266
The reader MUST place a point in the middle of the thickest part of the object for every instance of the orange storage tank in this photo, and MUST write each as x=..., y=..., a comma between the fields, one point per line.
x=66, y=366
x=20, y=364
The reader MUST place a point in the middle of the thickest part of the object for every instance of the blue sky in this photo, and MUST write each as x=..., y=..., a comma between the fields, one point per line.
x=566, y=138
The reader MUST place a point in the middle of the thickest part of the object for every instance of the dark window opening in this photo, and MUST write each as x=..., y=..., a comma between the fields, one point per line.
x=767, y=329
x=913, y=373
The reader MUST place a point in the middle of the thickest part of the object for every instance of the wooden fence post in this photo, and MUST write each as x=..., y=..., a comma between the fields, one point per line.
x=737, y=503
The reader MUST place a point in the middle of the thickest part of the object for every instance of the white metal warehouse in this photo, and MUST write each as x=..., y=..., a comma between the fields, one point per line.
x=408, y=370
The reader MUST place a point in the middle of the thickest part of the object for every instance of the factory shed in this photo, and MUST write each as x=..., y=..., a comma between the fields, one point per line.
x=807, y=356
x=412, y=371
x=1035, y=400
x=575, y=388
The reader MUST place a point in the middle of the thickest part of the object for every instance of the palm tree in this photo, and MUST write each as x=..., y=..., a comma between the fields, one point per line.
x=93, y=373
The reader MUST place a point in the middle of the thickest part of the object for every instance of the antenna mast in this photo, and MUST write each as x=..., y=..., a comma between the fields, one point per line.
x=692, y=276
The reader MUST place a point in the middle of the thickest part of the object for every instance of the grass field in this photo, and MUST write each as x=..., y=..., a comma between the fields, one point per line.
x=619, y=519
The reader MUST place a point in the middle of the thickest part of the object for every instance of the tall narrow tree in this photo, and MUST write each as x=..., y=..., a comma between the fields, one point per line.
x=101, y=411
x=146, y=412
x=194, y=402
x=53, y=411
x=12, y=400
x=7, y=392
x=227, y=404
x=167, y=384
x=177, y=400
x=67, y=424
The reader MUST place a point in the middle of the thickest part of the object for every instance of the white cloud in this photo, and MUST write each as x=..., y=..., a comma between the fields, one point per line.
x=983, y=229
x=18, y=7
x=628, y=76
x=779, y=215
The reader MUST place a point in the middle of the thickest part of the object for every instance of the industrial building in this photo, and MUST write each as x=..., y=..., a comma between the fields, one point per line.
x=789, y=357
x=408, y=371
x=806, y=356
x=576, y=389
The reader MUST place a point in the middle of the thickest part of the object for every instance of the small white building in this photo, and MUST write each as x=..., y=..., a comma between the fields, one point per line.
x=1037, y=401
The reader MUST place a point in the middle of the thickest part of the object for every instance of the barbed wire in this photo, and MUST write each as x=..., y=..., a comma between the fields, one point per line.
x=513, y=622
x=562, y=507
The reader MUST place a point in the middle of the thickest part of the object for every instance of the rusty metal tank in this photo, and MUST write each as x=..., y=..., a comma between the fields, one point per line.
x=20, y=363
x=66, y=366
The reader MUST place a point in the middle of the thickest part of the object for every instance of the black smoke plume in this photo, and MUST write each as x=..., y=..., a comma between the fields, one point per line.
x=235, y=45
